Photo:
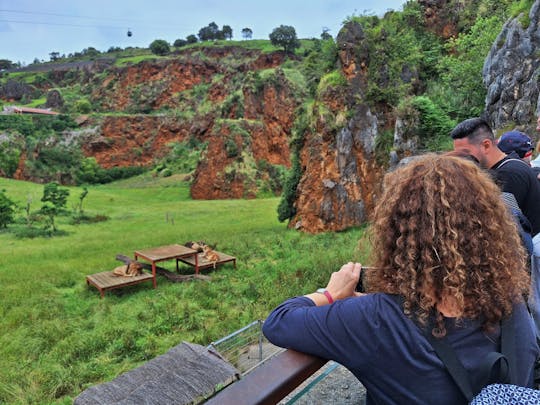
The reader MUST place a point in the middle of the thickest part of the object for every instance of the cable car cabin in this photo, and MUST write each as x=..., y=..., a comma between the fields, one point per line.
x=129, y=33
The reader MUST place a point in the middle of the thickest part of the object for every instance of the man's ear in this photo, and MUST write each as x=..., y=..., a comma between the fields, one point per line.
x=486, y=144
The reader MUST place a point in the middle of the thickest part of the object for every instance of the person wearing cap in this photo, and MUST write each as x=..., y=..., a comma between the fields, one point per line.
x=475, y=136
x=516, y=141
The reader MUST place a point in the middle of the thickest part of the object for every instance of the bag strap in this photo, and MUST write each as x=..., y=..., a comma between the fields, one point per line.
x=497, y=366
x=455, y=368
x=508, y=345
x=509, y=160
x=505, y=359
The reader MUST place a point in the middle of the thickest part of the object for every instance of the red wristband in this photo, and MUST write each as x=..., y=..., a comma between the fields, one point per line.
x=329, y=296
x=326, y=294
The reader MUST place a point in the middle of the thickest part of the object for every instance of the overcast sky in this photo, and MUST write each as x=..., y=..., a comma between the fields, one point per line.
x=32, y=29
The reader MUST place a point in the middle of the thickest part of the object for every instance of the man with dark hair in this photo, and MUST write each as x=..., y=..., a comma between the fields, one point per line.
x=475, y=137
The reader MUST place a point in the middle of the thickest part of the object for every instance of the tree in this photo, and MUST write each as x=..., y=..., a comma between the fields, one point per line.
x=325, y=35
x=210, y=32
x=180, y=43
x=79, y=207
x=160, y=47
x=54, y=199
x=90, y=51
x=247, y=33
x=5, y=64
x=227, y=32
x=7, y=210
x=285, y=36
x=191, y=39
x=54, y=56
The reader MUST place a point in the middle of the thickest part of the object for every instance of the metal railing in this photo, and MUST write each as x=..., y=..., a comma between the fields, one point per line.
x=246, y=348
x=271, y=381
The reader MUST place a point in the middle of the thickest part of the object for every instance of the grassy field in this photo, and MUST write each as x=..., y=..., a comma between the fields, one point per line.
x=58, y=337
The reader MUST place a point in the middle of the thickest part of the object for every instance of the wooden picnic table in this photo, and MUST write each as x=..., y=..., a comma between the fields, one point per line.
x=169, y=252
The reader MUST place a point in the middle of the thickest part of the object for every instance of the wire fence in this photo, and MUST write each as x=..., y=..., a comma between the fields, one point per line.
x=246, y=348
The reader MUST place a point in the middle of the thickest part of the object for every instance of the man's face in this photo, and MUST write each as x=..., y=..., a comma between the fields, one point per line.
x=465, y=146
x=538, y=124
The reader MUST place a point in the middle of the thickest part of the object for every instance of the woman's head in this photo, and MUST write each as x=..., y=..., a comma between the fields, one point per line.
x=441, y=229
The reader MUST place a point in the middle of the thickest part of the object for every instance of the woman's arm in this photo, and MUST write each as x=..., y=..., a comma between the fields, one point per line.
x=341, y=285
x=310, y=325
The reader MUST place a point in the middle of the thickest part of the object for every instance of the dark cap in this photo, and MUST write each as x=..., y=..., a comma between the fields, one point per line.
x=515, y=141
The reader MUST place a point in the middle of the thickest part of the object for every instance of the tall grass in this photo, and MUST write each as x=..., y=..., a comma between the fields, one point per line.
x=58, y=337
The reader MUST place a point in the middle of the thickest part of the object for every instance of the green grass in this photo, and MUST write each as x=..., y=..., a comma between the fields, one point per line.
x=37, y=102
x=136, y=59
x=58, y=337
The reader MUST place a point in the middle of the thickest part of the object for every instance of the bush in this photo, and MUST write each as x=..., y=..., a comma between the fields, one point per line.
x=165, y=172
x=9, y=158
x=432, y=123
x=54, y=199
x=286, y=208
x=83, y=106
x=7, y=210
x=160, y=47
x=231, y=148
x=180, y=43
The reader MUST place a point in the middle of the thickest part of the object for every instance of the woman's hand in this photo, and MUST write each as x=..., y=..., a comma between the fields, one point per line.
x=343, y=282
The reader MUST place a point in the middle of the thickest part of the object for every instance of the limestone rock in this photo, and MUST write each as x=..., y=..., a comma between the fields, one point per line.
x=511, y=72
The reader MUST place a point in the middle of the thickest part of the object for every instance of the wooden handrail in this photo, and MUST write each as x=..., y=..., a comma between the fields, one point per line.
x=271, y=381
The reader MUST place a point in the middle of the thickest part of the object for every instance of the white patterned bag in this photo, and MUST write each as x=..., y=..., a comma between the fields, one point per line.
x=507, y=394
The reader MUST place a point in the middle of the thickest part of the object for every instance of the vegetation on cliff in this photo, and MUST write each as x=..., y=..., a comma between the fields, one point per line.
x=423, y=62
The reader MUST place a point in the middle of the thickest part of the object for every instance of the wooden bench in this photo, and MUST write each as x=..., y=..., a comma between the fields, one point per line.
x=106, y=280
x=203, y=263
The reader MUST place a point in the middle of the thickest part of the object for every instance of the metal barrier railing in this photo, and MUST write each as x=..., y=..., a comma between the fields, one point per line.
x=271, y=381
x=246, y=348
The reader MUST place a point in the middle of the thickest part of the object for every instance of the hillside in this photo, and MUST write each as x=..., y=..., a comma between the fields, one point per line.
x=244, y=119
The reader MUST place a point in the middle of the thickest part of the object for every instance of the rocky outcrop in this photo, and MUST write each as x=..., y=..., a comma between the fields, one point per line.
x=340, y=175
x=511, y=72
x=15, y=91
x=133, y=140
x=54, y=99
x=440, y=17
x=240, y=150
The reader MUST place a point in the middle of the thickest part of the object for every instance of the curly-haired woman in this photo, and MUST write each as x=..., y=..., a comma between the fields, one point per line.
x=444, y=243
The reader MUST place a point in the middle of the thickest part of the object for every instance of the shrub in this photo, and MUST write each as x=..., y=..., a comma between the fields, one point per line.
x=165, y=172
x=83, y=106
x=180, y=43
x=7, y=210
x=160, y=47
x=231, y=148
x=286, y=208
x=54, y=199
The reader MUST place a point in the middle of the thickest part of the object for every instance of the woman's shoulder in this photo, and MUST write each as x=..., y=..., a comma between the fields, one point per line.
x=378, y=305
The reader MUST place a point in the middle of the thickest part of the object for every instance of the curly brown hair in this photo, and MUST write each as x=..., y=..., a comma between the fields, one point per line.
x=440, y=230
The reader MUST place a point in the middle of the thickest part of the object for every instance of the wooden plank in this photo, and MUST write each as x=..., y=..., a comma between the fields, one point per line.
x=204, y=263
x=162, y=253
x=106, y=280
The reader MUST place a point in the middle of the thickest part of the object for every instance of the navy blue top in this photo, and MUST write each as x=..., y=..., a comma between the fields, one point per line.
x=386, y=350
